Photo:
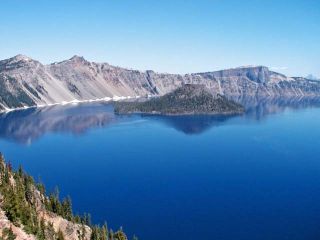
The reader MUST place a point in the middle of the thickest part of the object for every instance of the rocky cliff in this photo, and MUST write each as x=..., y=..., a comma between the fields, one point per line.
x=27, y=82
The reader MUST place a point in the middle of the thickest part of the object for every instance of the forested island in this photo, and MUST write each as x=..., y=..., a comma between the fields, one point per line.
x=185, y=100
x=26, y=212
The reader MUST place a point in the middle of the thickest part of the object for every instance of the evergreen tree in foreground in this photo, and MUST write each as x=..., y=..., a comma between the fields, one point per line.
x=18, y=189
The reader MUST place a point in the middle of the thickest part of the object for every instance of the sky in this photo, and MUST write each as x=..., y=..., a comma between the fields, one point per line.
x=167, y=36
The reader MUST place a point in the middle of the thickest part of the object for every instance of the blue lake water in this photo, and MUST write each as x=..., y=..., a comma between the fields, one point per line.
x=255, y=176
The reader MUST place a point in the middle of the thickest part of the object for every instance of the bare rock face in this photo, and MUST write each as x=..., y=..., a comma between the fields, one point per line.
x=26, y=82
x=5, y=224
x=70, y=230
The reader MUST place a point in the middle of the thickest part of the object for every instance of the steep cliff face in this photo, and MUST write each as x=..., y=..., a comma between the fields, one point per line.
x=26, y=82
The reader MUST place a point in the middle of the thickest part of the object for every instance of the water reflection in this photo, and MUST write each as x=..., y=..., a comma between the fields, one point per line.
x=259, y=108
x=25, y=126
x=192, y=124
x=28, y=125
x=256, y=109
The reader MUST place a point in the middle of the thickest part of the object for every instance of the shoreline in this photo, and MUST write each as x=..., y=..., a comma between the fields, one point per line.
x=183, y=114
x=75, y=101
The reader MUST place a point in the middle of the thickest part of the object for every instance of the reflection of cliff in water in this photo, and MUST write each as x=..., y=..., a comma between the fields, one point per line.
x=193, y=124
x=27, y=125
x=256, y=109
x=259, y=108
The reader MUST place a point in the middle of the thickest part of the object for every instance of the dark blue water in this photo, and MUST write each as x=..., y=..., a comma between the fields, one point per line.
x=255, y=176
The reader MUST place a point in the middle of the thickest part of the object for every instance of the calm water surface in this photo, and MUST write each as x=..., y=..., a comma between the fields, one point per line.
x=255, y=176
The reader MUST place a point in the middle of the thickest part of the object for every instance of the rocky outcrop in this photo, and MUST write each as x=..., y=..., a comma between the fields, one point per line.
x=27, y=213
x=6, y=225
x=26, y=82
x=53, y=224
x=69, y=230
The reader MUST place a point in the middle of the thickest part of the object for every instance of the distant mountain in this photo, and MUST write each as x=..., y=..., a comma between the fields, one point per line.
x=27, y=82
x=185, y=100
x=312, y=77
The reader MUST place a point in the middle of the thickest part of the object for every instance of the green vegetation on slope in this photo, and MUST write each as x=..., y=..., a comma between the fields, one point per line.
x=20, y=201
x=188, y=99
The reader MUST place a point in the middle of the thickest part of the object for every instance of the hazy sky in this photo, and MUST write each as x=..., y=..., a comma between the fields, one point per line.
x=167, y=36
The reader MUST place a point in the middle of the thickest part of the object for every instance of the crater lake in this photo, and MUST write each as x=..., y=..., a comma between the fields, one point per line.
x=250, y=176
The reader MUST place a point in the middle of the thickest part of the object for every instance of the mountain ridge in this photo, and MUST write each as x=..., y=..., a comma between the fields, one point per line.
x=26, y=82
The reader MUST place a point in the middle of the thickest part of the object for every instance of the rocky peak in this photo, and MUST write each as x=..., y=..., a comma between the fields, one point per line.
x=17, y=61
x=77, y=59
x=21, y=57
x=72, y=62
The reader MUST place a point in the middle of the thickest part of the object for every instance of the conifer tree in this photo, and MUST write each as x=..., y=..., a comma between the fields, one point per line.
x=67, y=208
x=42, y=229
x=18, y=191
x=8, y=234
